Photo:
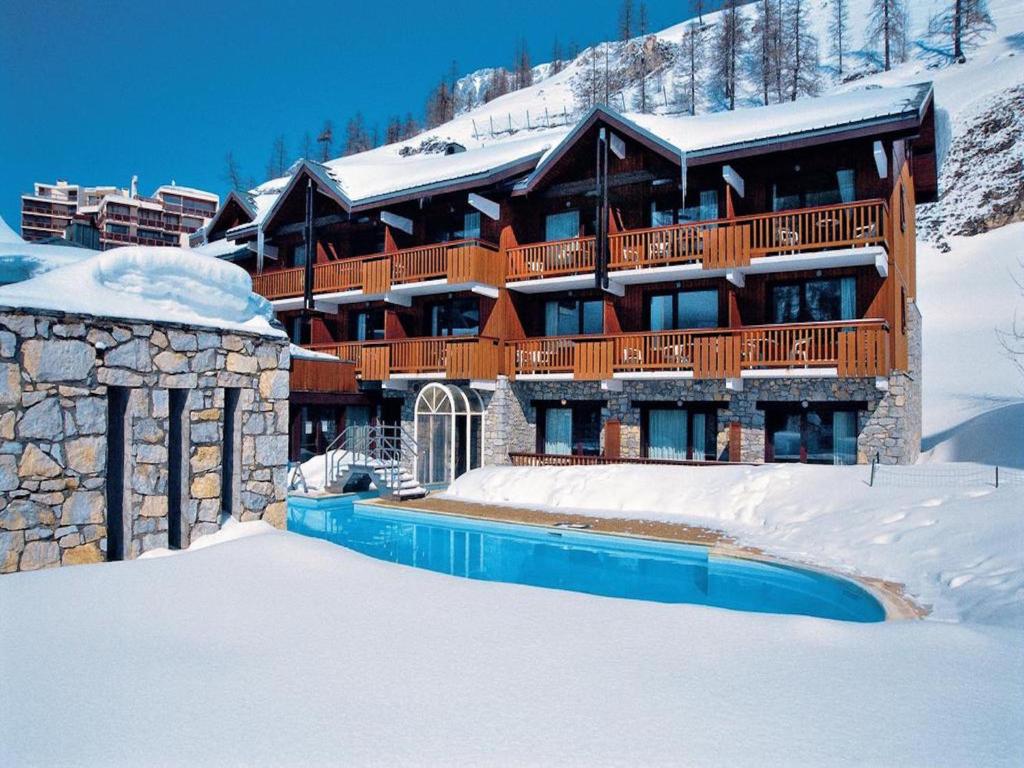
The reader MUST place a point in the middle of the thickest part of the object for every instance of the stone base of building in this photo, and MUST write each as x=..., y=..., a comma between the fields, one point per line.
x=62, y=378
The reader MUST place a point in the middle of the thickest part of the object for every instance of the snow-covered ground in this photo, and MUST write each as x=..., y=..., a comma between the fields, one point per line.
x=280, y=650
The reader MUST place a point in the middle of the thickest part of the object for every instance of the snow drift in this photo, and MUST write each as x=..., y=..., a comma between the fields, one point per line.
x=163, y=284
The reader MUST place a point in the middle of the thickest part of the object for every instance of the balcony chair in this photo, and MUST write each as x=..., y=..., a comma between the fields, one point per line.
x=866, y=231
x=633, y=356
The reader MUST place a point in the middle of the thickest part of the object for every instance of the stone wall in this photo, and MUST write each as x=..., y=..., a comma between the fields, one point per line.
x=56, y=372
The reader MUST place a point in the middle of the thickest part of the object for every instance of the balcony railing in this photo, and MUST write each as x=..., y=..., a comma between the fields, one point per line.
x=853, y=347
x=461, y=261
x=471, y=357
x=581, y=460
x=323, y=376
x=713, y=244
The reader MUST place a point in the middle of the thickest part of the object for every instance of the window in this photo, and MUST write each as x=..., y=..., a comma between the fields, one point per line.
x=701, y=205
x=470, y=226
x=809, y=301
x=116, y=229
x=903, y=209
x=297, y=256
x=572, y=317
x=803, y=190
x=455, y=317
x=573, y=428
x=172, y=199
x=298, y=330
x=562, y=226
x=817, y=434
x=679, y=433
x=683, y=309
x=367, y=325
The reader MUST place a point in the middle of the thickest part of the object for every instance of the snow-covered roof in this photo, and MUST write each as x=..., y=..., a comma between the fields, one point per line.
x=20, y=260
x=310, y=354
x=156, y=284
x=398, y=171
x=222, y=249
x=175, y=189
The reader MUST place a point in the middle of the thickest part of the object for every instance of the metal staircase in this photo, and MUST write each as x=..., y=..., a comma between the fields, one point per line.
x=384, y=454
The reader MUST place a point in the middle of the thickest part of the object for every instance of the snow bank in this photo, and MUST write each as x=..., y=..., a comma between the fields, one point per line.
x=326, y=657
x=965, y=297
x=231, y=530
x=171, y=285
x=20, y=260
x=956, y=549
x=310, y=354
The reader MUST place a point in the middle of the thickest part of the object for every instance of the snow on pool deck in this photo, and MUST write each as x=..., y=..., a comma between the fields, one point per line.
x=276, y=649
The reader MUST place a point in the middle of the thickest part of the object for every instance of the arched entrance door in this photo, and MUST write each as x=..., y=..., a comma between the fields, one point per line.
x=448, y=430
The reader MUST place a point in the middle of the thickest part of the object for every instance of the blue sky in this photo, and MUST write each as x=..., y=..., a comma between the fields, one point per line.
x=96, y=91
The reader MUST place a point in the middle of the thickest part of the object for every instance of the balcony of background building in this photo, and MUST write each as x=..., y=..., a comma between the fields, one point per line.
x=441, y=267
x=831, y=235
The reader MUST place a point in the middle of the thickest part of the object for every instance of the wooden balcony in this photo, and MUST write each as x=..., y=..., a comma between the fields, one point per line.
x=331, y=376
x=853, y=348
x=473, y=357
x=458, y=263
x=718, y=244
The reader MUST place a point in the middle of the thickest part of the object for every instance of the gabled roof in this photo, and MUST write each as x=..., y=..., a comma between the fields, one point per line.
x=597, y=114
x=325, y=185
x=242, y=201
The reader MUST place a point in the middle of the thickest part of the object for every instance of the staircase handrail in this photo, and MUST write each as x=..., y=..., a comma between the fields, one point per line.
x=380, y=448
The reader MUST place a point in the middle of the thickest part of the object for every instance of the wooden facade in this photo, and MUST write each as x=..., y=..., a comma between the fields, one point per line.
x=505, y=272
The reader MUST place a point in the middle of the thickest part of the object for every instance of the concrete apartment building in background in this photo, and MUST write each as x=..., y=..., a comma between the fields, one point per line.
x=120, y=216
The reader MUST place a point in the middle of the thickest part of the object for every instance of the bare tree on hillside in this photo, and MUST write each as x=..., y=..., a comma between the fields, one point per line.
x=440, y=105
x=326, y=141
x=307, y=146
x=887, y=26
x=626, y=20
x=409, y=127
x=233, y=174
x=497, y=85
x=557, y=65
x=962, y=23
x=698, y=7
x=522, y=71
x=278, y=163
x=764, y=60
x=1012, y=339
x=357, y=139
x=692, y=61
x=393, y=130
x=802, y=49
x=730, y=41
x=838, y=25
x=643, y=55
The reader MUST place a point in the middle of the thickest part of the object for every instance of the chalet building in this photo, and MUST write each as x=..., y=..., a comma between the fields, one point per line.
x=734, y=287
x=121, y=216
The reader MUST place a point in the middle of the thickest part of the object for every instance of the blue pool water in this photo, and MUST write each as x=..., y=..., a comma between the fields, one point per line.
x=582, y=562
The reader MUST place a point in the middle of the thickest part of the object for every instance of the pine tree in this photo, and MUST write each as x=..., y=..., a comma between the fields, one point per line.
x=802, y=50
x=626, y=20
x=730, y=42
x=692, y=59
x=278, y=163
x=233, y=174
x=838, y=25
x=888, y=26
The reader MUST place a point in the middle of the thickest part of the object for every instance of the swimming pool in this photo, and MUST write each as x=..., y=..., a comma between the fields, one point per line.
x=598, y=564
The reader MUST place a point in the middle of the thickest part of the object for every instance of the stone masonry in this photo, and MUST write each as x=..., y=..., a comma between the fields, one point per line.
x=56, y=372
